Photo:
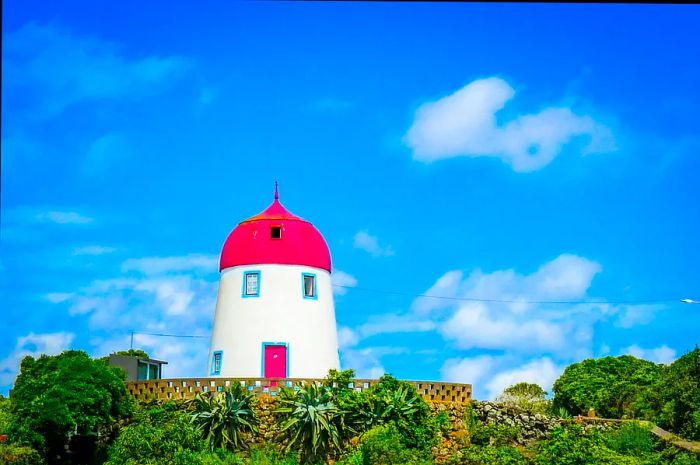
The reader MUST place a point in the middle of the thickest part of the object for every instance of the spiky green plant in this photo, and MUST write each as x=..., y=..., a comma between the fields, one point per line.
x=224, y=417
x=311, y=422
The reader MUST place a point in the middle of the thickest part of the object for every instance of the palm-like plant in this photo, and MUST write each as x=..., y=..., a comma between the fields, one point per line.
x=224, y=417
x=312, y=422
x=401, y=403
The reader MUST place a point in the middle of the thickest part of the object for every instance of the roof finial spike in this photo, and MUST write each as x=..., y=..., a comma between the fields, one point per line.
x=277, y=195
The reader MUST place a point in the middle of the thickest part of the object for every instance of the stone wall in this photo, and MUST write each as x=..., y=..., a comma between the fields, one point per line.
x=533, y=426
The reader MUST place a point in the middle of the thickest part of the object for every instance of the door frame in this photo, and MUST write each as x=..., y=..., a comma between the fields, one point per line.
x=262, y=357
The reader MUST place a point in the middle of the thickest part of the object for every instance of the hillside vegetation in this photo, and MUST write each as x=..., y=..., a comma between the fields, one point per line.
x=70, y=409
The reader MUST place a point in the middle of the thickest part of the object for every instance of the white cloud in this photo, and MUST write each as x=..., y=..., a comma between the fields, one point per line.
x=363, y=240
x=542, y=372
x=63, y=69
x=661, y=354
x=465, y=124
x=341, y=281
x=446, y=286
x=31, y=224
x=58, y=297
x=476, y=325
x=33, y=345
x=517, y=325
x=166, y=295
x=367, y=361
x=467, y=370
x=155, y=265
x=634, y=315
x=63, y=217
x=173, y=293
x=490, y=375
x=347, y=337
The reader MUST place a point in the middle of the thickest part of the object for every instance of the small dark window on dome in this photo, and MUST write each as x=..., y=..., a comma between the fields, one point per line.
x=276, y=232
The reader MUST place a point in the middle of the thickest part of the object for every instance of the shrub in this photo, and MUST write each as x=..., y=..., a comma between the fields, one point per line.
x=160, y=435
x=573, y=445
x=339, y=382
x=311, y=422
x=224, y=417
x=631, y=439
x=391, y=400
x=502, y=455
x=382, y=445
x=12, y=454
x=268, y=456
x=527, y=396
x=495, y=434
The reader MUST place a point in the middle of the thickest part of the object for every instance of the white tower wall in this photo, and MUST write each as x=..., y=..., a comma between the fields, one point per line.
x=280, y=314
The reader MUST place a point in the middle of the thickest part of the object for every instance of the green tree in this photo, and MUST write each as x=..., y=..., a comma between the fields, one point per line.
x=132, y=353
x=527, y=396
x=57, y=396
x=679, y=396
x=5, y=415
x=224, y=417
x=613, y=386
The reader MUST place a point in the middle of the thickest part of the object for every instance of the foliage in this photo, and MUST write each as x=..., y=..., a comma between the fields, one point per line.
x=613, y=386
x=313, y=424
x=55, y=396
x=561, y=412
x=339, y=382
x=391, y=400
x=572, y=445
x=482, y=434
x=132, y=353
x=494, y=434
x=527, y=396
x=12, y=454
x=161, y=435
x=679, y=395
x=224, y=417
x=499, y=455
x=5, y=415
x=631, y=439
x=268, y=456
x=382, y=445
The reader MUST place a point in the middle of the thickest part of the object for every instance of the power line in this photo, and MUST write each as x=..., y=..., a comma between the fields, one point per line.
x=509, y=301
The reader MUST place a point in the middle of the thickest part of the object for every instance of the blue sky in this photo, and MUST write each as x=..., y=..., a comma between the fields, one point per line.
x=495, y=151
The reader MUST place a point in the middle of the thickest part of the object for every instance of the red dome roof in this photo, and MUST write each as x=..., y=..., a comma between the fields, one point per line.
x=252, y=242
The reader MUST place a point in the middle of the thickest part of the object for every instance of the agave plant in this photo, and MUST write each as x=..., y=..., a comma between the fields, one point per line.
x=223, y=417
x=401, y=403
x=312, y=422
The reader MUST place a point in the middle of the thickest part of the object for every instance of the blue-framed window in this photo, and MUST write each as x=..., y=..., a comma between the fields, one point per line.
x=216, y=360
x=251, y=284
x=308, y=286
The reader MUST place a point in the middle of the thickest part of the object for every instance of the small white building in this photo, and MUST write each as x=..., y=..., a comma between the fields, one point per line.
x=274, y=313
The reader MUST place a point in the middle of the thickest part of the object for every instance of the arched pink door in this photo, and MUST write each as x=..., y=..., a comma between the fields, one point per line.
x=275, y=361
